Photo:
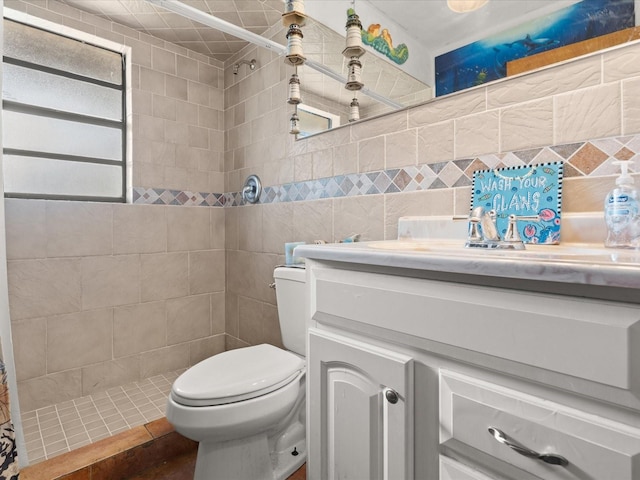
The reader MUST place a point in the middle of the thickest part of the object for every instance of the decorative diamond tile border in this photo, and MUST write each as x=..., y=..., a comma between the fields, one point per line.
x=178, y=197
x=593, y=158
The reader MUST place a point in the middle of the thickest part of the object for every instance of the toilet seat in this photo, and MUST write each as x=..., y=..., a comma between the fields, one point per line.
x=236, y=375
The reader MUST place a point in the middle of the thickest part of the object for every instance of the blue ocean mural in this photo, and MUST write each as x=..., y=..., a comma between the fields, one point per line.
x=486, y=60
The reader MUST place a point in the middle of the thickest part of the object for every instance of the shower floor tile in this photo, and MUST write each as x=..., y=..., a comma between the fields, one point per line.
x=60, y=428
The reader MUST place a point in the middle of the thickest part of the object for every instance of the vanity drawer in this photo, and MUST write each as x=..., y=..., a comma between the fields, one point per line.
x=587, y=339
x=594, y=447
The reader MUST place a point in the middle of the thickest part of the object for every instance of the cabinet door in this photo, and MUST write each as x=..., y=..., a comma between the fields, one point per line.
x=360, y=410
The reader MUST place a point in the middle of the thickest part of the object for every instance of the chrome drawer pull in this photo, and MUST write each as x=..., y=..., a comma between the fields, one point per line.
x=550, y=458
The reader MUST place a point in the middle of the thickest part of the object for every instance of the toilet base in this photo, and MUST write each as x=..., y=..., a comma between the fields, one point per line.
x=247, y=458
x=285, y=463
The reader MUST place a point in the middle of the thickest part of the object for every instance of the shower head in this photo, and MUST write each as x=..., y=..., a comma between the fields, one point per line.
x=252, y=65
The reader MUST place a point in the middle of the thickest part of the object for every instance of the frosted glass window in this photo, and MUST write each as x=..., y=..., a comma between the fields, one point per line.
x=50, y=135
x=55, y=51
x=28, y=175
x=32, y=87
x=64, y=118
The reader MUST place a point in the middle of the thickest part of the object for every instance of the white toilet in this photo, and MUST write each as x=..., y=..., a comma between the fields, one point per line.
x=246, y=407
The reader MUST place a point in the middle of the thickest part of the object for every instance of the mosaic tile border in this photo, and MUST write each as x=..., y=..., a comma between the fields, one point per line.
x=592, y=159
x=160, y=196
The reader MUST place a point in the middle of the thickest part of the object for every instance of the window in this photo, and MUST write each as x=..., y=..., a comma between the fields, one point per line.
x=313, y=120
x=64, y=117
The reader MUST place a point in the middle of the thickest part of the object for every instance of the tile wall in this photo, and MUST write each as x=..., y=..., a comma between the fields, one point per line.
x=586, y=113
x=103, y=295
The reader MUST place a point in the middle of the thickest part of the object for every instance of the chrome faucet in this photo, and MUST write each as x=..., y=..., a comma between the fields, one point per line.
x=483, y=232
x=487, y=221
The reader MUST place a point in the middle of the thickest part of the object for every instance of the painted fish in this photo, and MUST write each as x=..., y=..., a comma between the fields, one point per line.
x=549, y=188
x=533, y=43
x=482, y=77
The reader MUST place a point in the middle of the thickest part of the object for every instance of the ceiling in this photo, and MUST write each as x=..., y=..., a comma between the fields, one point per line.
x=429, y=21
x=253, y=15
x=320, y=43
x=434, y=25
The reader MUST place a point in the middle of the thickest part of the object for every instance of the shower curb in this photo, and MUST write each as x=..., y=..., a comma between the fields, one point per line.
x=118, y=457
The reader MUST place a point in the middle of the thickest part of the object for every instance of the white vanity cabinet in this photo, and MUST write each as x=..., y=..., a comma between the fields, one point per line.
x=552, y=375
x=361, y=409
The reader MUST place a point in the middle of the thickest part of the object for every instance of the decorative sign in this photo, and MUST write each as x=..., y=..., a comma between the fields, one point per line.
x=523, y=191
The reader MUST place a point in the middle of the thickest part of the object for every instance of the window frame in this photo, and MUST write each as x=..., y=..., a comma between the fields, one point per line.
x=126, y=94
x=332, y=119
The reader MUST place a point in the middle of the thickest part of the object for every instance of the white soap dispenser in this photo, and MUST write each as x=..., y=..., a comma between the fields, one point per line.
x=621, y=211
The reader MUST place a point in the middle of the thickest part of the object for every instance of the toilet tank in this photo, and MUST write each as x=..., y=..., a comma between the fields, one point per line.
x=290, y=294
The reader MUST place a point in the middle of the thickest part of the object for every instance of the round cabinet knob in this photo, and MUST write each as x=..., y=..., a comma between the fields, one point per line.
x=391, y=396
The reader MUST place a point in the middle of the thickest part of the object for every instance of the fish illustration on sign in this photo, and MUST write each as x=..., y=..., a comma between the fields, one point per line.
x=550, y=227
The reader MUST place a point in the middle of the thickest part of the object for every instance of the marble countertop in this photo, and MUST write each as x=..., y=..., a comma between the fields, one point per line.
x=433, y=247
x=436, y=244
x=587, y=264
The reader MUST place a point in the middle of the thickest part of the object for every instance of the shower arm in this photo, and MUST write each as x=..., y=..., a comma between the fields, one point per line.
x=252, y=65
x=199, y=16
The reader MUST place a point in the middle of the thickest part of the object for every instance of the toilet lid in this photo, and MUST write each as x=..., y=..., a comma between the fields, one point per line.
x=236, y=375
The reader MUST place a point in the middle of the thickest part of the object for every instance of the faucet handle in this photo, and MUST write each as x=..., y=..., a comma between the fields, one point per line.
x=475, y=236
x=512, y=235
x=487, y=223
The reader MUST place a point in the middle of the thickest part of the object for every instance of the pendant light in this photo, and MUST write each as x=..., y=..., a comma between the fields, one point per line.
x=464, y=6
x=294, y=54
x=294, y=6
x=294, y=123
x=294, y=89
x=353, y=50
x=354, y=46
x=294, y=13
x=354, y=76
x=293, y=18
x=354, y=110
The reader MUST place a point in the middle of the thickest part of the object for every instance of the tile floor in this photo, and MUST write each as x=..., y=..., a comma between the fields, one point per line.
x=63, y=427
